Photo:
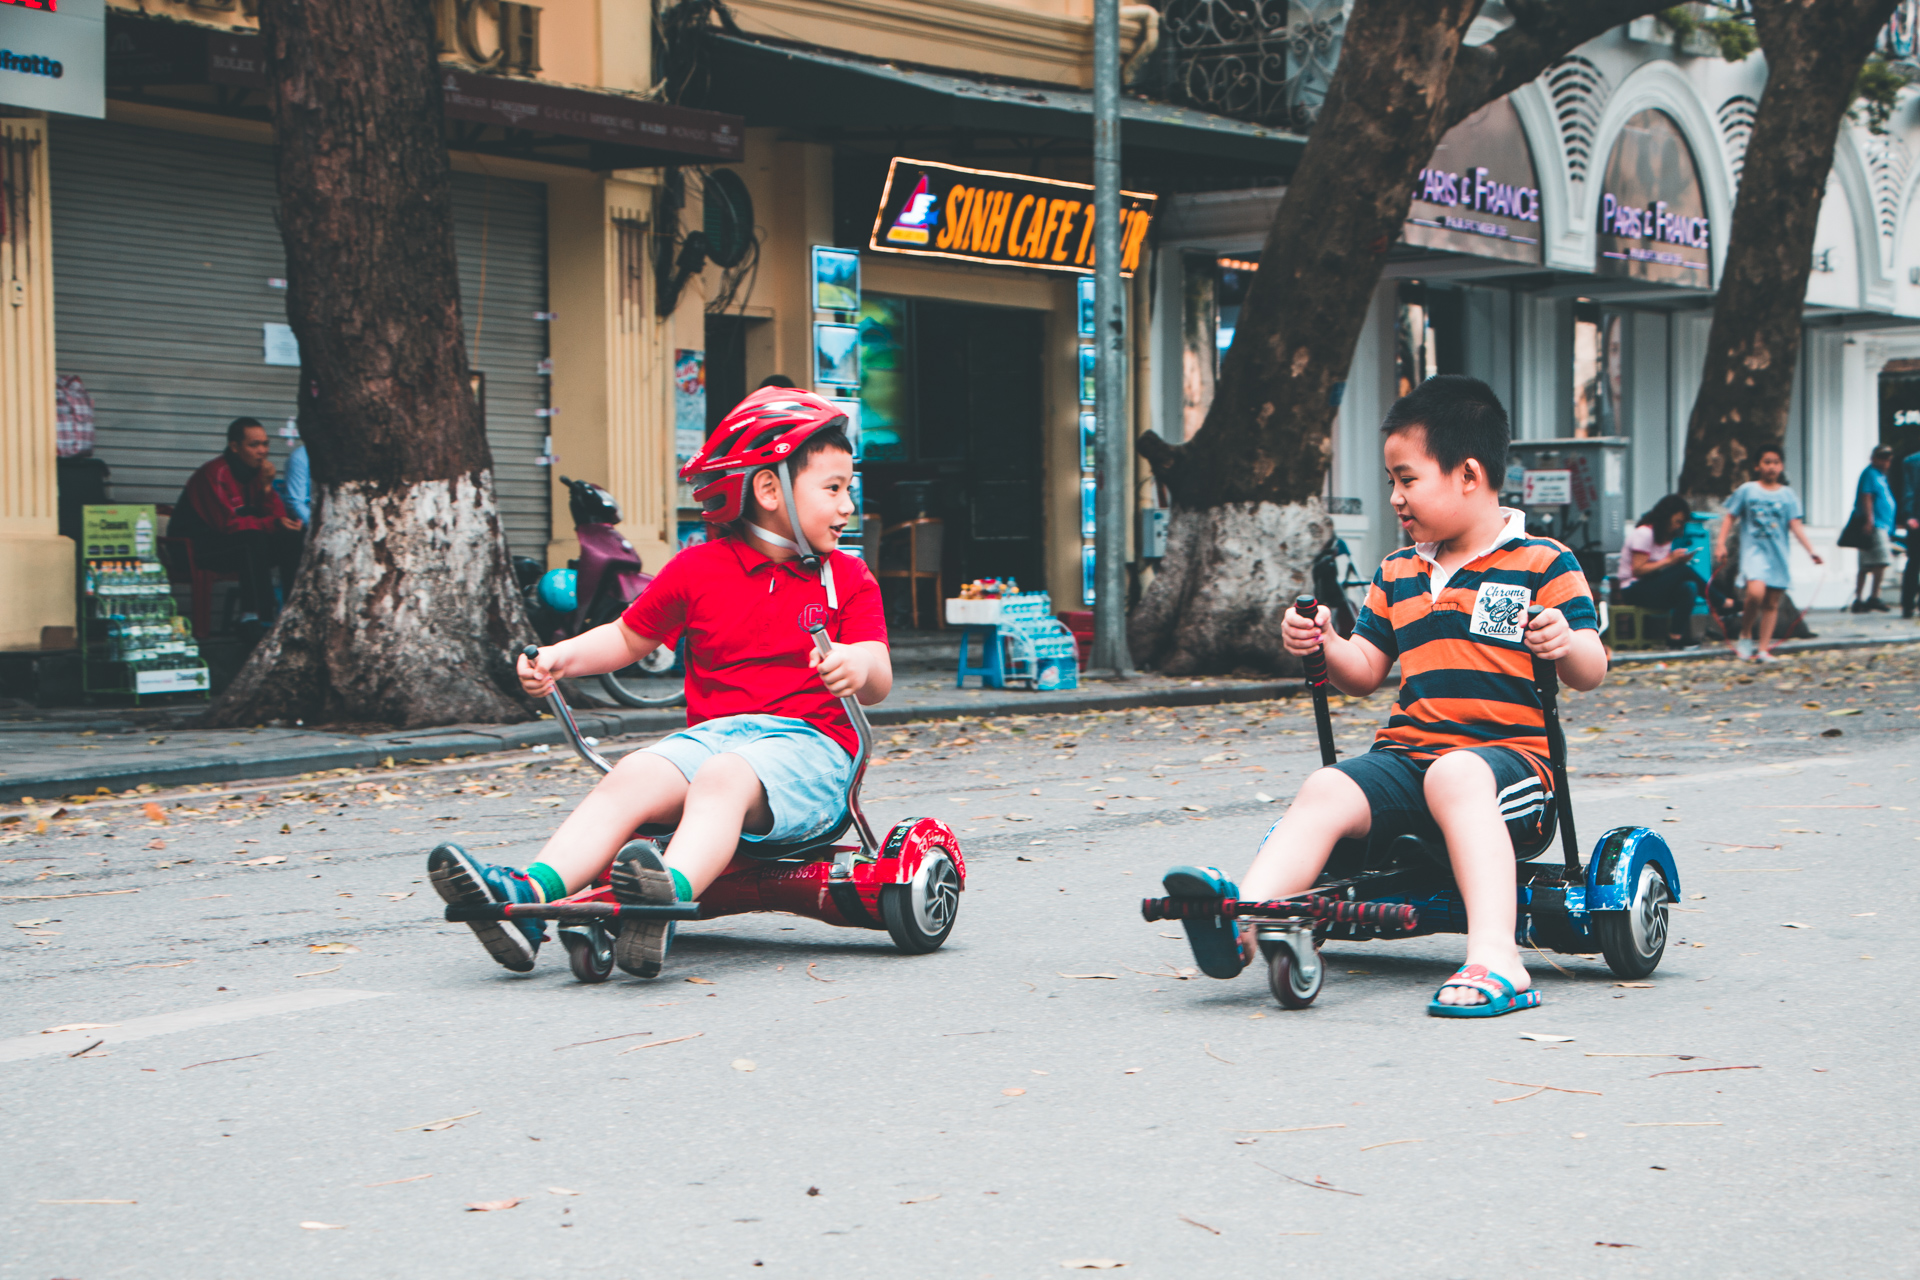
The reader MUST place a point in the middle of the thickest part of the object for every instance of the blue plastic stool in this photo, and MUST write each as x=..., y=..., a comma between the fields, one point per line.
x=992, y=669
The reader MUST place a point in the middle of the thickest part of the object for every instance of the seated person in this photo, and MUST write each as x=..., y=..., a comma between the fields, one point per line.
x=239, y=525
x=768, y=753
x=1464, y=754
x=1653, y=575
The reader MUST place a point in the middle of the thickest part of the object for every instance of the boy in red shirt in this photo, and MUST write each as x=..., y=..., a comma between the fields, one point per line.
x=768, y=751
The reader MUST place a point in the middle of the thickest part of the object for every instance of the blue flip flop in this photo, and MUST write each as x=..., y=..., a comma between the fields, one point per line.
x=1215, y=939
x=1501, y=997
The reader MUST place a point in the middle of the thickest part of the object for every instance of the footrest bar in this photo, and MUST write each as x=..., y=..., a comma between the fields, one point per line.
x=573, y=911
x=1393, y=915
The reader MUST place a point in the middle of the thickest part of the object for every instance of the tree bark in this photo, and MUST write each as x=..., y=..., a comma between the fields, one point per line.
x=1403, y=80
x=403, y=610
x=1814, y=53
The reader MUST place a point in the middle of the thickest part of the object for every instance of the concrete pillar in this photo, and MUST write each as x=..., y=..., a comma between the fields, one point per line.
x=36, y=563
x=611, y=371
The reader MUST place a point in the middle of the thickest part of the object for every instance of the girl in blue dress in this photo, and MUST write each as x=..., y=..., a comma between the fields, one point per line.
x=1767, y=511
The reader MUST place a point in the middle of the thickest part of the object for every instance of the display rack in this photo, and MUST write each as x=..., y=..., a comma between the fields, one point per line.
x=133, y=640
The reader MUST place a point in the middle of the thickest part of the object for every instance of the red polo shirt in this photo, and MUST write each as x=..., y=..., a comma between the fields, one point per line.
x=743, y=616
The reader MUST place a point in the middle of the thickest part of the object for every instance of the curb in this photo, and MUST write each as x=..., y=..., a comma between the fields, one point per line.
x=1715, y=649
x=602, y=723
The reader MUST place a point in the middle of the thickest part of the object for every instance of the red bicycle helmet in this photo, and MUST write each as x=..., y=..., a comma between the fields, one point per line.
x=762, y=431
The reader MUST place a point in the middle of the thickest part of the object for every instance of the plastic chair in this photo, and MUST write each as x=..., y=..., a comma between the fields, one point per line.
x=911, y=550
x=184, y=570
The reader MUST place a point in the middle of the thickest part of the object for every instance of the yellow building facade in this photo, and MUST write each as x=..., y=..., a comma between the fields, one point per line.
x=148, y=267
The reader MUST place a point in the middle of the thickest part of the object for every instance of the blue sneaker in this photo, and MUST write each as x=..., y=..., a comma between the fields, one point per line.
x=464, y=882
x=1215, y=939
x=640, y=877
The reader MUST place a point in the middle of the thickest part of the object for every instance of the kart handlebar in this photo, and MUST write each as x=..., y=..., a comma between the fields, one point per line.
x=1546, y=682
x=1316, y=663
x=861, y=728
x=564, y=714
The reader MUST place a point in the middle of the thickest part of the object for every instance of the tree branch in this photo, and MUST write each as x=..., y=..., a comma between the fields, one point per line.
x=1164, y=458
x=1542, y=33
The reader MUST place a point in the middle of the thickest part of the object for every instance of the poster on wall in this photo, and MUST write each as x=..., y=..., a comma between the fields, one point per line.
x=836, y=279
x=836, y=355
x=1652, y=219
x=1089, y=374
x=1478, y=194
x=1089, y=433
x=850, y=407
x=1083, y=294
x=979, y=215
x=689, y=402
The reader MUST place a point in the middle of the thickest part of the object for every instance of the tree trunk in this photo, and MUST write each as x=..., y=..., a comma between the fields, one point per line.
x=1814, y=53
x=1254, y=470
x=403, y=610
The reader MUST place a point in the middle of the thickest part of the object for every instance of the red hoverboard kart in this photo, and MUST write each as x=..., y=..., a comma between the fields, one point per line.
x=1616, y=905
x=909, y=886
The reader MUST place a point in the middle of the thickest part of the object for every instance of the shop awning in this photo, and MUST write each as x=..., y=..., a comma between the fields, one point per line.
x=851, y=98
x=183, y=65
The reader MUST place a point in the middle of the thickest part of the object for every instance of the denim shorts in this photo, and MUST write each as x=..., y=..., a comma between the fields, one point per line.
x=1395, y=786
x=805, y=773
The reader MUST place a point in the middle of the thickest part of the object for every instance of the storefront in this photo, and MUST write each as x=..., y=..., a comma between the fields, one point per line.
x=1564, y=245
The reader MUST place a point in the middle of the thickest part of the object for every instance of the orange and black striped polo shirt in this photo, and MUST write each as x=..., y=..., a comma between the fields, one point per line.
x=1466, y=678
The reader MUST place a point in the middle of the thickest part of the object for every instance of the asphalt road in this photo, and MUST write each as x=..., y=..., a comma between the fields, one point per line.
x=303, y=1072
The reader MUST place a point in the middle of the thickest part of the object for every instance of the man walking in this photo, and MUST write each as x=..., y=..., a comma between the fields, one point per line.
x=1873, y=502
x=239, y=525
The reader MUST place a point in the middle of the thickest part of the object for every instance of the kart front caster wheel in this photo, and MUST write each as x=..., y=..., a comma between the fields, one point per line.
x=1294, y=972
x=920, y=914
x=589, y=953
x=1634, y=940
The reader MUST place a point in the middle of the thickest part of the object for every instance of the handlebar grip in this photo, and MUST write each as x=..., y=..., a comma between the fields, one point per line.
x=531, y=653
x=1316, y=662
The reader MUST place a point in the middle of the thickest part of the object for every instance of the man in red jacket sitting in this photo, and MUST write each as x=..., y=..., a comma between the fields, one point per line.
x=238, y=523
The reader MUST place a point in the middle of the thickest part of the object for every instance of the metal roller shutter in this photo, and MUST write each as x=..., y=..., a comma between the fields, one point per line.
x=163, y=246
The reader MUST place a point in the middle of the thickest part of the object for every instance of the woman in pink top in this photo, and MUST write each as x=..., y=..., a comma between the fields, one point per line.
x=1653, y=575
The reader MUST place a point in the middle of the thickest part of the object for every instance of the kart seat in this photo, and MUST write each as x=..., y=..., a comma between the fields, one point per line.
x=1422, y=851
x=774, y=851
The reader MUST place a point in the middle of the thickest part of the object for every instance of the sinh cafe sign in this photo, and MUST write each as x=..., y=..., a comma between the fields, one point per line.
x=1652, y=219
x=1478, y=194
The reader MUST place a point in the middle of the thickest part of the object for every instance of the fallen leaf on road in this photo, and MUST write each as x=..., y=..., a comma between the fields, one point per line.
x=1012, y=1093
x=78, y=1026
x=40, y=920
x=561, y=1191
x=1794, y=924
x=1211, y=1054
x=1193, y=1223
x=1092, y=1264
x=491, y=1206
x=314, y=973
x=1608, y=1244
x=1641, y=986
x=1848, y=711
x=816, y=977
x=286, y=829
x=1019, y=817
x=171, y=964
x=322, y=1226
x=333, y=949
x=156, y=844
x=398, y=896
x=436, y=1124
x=922, y=1199
x=1397, y=1142
x=394, y=1182
x=705, y=982
x=267, y=861
x=154, y=813
x=1263, y=797
x=1543, y=1038
x=655, y=1044
x=1113, y=976
x=1194, y=808
x=743, y=1064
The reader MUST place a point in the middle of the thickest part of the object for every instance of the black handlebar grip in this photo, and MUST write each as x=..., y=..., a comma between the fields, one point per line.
x=1316, y=662
x=531, y=652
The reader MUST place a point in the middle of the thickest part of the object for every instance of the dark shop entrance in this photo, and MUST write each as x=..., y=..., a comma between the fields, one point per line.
x=951, y=412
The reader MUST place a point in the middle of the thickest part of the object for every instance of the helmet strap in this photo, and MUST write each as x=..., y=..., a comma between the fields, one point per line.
x=799, y=540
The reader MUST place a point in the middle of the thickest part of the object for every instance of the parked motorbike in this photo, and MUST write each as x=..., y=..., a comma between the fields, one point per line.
x=593, y=590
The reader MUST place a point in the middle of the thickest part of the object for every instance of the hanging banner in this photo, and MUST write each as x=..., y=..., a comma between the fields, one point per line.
x=1653, y=218
x=1478, y=194
x=977, y=215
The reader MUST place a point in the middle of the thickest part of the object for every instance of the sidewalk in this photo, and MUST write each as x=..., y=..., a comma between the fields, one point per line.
x=61, y=752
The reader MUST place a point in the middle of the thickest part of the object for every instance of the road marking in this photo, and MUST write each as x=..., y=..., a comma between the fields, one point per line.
x=21, y=1047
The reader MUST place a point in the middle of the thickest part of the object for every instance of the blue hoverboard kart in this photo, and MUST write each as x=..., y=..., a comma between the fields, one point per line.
x=1615, y=906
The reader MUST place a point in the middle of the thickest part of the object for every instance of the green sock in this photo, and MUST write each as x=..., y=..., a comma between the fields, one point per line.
x=681, y=889
x=552, y=887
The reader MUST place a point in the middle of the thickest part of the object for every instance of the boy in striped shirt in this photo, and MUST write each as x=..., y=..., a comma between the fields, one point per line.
x=1464, y=754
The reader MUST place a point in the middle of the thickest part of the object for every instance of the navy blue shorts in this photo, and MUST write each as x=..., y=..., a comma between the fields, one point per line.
x=1394, y=783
